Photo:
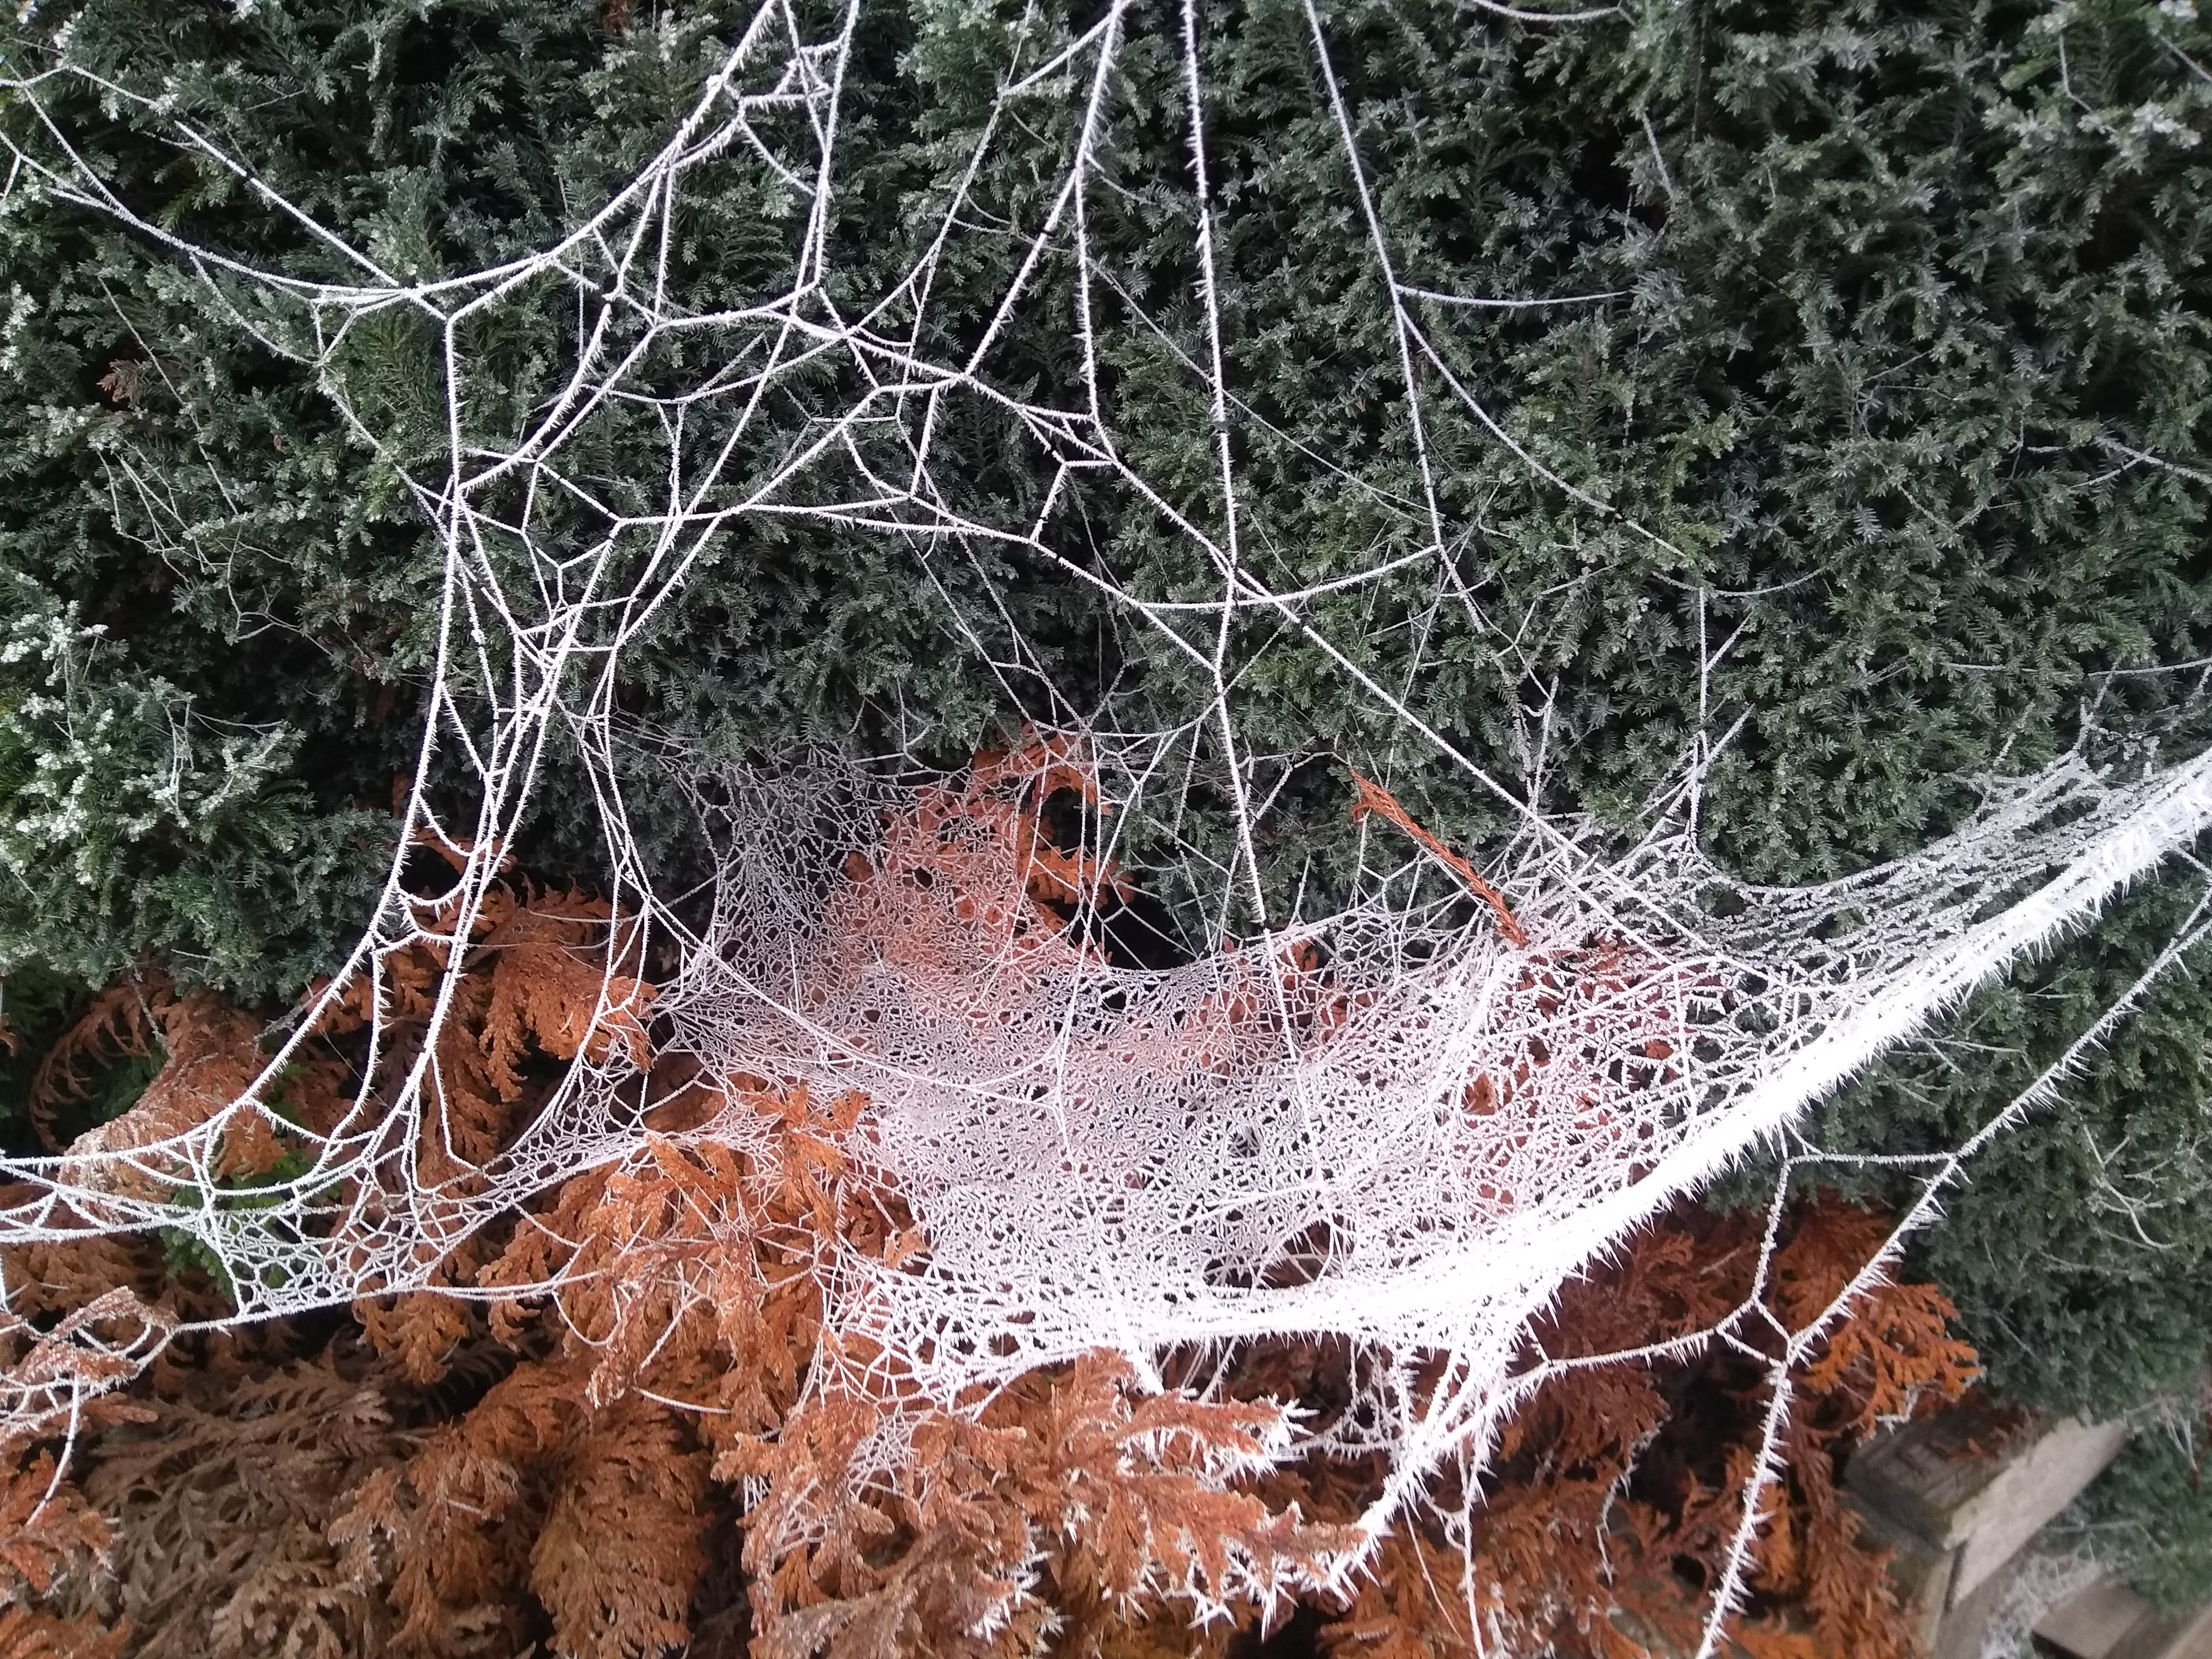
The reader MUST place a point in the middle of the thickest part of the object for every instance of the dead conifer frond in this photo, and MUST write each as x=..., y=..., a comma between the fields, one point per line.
x=1607, y=1491
x=221, y=1499
x=32, y=1633
x=46, y=1528
x=617, y=1559
x=120, y=1024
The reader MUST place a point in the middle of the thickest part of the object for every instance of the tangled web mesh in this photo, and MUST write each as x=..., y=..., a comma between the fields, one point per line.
x=1404, y=1120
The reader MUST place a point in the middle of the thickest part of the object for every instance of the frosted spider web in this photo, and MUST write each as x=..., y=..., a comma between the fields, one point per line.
x=1405, y=1121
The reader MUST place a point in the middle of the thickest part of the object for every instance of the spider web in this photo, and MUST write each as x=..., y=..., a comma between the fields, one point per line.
x=1404, y=1118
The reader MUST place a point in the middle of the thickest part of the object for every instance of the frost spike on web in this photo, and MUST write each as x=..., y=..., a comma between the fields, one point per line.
x=1406, y=1122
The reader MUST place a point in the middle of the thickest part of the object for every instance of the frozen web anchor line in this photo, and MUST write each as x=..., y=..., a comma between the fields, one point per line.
x=1404, y=1119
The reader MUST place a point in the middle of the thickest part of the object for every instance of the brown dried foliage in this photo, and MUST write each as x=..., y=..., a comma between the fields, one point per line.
x=1373, y=798
x=656, y=1437
x=545, y=972
x=221, y=1497
x=1620, y=1486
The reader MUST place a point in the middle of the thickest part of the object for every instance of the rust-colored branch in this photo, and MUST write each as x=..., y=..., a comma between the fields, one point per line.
x=1374, y=798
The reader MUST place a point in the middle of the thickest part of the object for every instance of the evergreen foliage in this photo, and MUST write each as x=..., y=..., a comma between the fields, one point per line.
x=1904, y=357
x=139, y=825
x=2079, y=1246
